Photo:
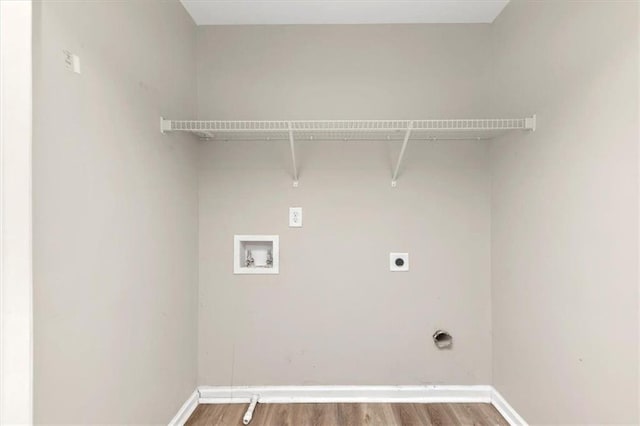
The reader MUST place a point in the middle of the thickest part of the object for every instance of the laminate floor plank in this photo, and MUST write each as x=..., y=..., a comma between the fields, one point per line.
x=224, y=414
x=377, y=415
x=423, y=414
x=325, y=414
x=330, y=414
x=407, y=415
x=441, y=414
x=273, y=415
x=197, y=415
x=492, y=415
x=468, y=414
x=202, y=414
x=350, y=414
x=315, y=414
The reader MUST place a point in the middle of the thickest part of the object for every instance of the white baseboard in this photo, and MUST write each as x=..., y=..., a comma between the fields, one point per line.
x=186, y=410
x=507, y=411
x=348, y=394
x=345, y=394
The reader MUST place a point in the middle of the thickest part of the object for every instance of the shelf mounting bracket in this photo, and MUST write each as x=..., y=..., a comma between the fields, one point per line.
x=293, y=155
x=530, y=123
x=165, y=125
x=407, y=135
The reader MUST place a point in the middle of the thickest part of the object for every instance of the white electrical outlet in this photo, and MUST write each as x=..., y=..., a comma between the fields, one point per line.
x=295, y=217
x=398, y=262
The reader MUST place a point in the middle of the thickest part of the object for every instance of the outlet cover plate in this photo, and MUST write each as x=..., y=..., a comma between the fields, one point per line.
x=295, y=217
x=398, y=262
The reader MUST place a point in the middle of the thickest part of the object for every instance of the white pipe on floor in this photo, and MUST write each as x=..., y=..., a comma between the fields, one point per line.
x=249, y=414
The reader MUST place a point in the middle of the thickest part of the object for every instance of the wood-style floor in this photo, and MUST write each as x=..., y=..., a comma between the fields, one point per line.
x=348, y=414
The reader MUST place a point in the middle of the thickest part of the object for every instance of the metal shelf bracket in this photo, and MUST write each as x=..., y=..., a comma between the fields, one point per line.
x=530, y=123
x=405, y=142
x=293, y=155
x=165, y=125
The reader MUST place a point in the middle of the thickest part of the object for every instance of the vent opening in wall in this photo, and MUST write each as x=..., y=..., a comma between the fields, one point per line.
x=256, y=254
x=442, y=339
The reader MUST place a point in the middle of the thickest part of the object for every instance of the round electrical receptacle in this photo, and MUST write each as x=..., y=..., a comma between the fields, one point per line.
x=399, y=261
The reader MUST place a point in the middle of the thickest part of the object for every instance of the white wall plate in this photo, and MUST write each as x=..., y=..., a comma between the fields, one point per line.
x=295, y=217
x=398, y=262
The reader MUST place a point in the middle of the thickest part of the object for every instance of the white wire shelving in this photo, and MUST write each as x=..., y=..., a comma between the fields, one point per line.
x=349, y=130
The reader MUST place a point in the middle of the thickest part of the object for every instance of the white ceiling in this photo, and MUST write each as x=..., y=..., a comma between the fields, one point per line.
x=270, y=12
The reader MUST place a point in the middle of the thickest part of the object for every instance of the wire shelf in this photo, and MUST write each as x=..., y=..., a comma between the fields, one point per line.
x=349, y=130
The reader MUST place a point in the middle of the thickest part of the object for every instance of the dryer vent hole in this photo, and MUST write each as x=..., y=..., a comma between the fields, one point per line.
x=442, y=339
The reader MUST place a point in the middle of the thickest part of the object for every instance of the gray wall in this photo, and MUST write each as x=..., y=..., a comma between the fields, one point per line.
x=565, y=212
x=343, y=71
x=115, y=213
x=335, y=314
x=551, y=215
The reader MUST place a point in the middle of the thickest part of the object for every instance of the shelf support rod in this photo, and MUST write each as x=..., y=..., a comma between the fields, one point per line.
x=407, y=135
x=293, y=155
